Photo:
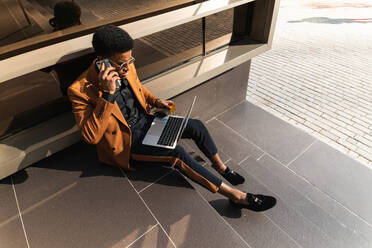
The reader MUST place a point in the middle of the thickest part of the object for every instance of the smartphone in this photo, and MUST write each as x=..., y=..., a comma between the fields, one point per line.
x=99, y=63
x=107, y=64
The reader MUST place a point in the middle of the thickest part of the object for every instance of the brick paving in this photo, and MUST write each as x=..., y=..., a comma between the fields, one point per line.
x=318, y=75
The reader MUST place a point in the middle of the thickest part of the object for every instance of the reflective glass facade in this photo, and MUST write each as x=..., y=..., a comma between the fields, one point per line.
x=40, y=95
x=29, y=22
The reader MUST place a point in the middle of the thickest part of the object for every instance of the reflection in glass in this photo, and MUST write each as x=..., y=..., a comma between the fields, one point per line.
x=15, y=23
x=41, y=95
x=219, y=28
x=24, y=19
x=66, y=14
x=166, y=49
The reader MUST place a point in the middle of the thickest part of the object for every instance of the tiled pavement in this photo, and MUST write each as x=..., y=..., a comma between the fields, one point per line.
x=70, y=200
x=318, y=74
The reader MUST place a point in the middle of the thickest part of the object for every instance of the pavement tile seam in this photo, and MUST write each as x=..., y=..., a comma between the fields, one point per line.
x=301, y=153
x=261, y=156
x=250, y=142
x=310, y=129
x=244, y=159
x=214, y=210
x=269, y=218
x=152, y=214
x=282, y=230
x=157, y=180
x=303, y=182
x=226, y=110
x=322, y=192
x=48, y=198
x=311, y=201
x=188, y=145
x=150, y=229
x=240, y=162
x=19, y=212
x=272, y=221
x=292, y=209
x=241, y=136
x=228, y=160
x=198, y=189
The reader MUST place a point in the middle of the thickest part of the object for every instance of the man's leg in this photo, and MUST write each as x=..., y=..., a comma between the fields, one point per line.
x=177, y=157
x=187, y=165
x=180, y=160
x=197, y=131
x=250, y=201
x=183, y=162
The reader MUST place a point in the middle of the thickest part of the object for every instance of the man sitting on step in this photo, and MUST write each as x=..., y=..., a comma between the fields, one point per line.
x=116, y=119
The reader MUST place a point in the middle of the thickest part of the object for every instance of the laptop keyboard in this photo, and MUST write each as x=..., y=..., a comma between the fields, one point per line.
x=170, y=131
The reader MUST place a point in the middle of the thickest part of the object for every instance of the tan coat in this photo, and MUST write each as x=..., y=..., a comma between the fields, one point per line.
x=101, y=122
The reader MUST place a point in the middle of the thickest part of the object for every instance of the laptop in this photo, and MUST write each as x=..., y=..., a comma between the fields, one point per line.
x=165, y=132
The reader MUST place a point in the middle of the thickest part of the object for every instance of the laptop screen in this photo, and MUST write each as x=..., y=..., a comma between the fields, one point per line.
x=187, y=118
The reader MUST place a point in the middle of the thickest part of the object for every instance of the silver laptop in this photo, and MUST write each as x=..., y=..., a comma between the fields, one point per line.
x=165, y=132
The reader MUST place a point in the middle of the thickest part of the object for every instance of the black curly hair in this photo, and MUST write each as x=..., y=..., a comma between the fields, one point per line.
x=109, y=39
x=66, y=14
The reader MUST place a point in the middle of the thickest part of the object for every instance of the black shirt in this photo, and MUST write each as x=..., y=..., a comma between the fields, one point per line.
x=127, y=102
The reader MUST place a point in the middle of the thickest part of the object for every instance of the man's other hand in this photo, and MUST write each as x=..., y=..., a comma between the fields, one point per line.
x=164, y=104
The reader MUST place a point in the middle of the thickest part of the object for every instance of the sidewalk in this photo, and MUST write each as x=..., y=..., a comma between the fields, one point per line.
x=71, y=200
x=318, y=74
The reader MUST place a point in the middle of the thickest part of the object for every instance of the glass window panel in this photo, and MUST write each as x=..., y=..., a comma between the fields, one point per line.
x=38, y=96
x=166, y=49
x=219, y=28
x=30, y=19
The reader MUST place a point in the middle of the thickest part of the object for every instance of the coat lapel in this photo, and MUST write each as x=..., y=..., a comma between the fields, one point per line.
x=117, y=113
x=132, y=78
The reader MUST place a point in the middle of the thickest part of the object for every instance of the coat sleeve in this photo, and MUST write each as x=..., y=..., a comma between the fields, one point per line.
x=92, y=121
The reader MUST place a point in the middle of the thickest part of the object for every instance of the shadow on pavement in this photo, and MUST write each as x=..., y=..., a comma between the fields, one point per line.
x=223, y=207
x=327, y=20
x=80, y=161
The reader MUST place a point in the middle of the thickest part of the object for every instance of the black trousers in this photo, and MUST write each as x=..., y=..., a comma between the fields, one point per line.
x=178, y=157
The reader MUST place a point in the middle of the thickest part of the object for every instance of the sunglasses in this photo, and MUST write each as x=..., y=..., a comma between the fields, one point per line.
x=124, y=64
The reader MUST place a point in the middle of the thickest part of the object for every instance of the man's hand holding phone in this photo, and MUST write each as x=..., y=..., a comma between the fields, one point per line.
x=107, y=78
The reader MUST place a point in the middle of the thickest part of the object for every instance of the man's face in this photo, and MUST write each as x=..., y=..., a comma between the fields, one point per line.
x=121, y=62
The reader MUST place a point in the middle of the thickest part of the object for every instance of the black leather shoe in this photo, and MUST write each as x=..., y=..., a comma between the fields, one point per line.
x=233, y=177
x=257, y=203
